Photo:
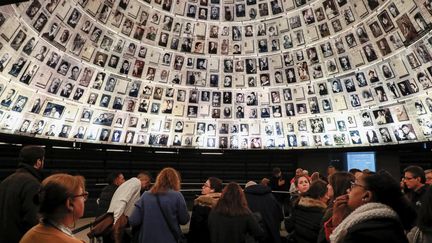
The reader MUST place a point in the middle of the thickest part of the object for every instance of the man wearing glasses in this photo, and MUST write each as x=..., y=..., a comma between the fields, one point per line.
x=414, y=179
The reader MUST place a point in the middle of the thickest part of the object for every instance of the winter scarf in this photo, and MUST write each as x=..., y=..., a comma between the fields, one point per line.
x=363, y=213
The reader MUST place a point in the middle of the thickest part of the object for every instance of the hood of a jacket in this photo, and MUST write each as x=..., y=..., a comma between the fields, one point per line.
x=310, y=202
x=257, y=189
x=208, y=200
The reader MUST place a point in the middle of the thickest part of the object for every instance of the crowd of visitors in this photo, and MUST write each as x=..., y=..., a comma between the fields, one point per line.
x=353, y=206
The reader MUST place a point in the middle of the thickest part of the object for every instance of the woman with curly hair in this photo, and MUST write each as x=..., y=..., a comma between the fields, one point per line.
x=160, y=211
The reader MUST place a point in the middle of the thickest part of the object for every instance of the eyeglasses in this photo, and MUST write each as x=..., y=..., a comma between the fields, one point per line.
x=353, y=185
x=408, y=178
x=84, y=195
x=205, y=185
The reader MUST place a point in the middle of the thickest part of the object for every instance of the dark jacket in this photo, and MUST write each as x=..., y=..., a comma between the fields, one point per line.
x=232, y=229
x=18, y=212
x=105, y=198
x=327, y=215
x=198, y=227
x=376, y=230
x=419, y=236
x=260, y=199
x=417, y=197
x=274, y=185
x=305, y=220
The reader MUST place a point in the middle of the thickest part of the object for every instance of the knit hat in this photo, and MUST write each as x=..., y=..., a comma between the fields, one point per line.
x=250, y=183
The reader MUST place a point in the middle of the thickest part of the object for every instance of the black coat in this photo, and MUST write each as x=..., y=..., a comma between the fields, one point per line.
x=260, y=199
x=274, y=185
x=417, y=197
x=327, y=215
x=105, y=198
x=18, y=211
x=376, y=230
x=232, y=229
x=198, y=227
x=305, y=220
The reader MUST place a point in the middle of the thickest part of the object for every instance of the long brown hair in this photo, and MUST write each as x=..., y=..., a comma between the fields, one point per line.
x=340, y=181
x=167, y=179
x=232, y=202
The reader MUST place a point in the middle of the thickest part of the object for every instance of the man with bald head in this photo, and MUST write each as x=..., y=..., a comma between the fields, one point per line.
x=123, y=201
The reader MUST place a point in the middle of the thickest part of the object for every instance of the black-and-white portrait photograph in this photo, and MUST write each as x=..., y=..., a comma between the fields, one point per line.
x=384, y=47
x=20, y=103
x=17, y=66
x=29, y=74
x=407, y=29
x=53, y=110
x=74, y=18
x=413, y=61
x=104, y=118
x=404, y=132
x=330, y=9
x=383, y=116
x=40, y=22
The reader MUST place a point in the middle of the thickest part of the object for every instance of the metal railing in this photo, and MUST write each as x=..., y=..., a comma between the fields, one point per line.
x=84, y=227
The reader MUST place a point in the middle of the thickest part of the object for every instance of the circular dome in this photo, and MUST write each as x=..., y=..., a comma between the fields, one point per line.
x=287, y=74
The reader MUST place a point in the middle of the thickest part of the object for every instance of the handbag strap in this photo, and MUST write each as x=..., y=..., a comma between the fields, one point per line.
x=173, y=232
x=416, y=235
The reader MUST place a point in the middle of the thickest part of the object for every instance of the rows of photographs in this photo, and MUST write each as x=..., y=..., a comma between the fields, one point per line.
x=245, y=71
x=269, y=53
x=96, y=89
x=62, y=120
x=230, y=11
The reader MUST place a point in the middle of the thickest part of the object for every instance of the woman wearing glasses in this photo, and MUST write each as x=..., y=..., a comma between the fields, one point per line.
x=210, y=194
x=61, y=200
x=374, y=210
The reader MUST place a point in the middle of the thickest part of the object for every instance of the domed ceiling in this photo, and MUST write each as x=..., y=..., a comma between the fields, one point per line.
x=251, y=74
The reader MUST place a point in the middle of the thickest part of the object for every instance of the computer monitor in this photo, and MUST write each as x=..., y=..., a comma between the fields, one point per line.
x=361, y=160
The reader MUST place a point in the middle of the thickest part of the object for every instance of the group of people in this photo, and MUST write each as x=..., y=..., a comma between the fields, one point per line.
x=357, y=206
x=354, y=206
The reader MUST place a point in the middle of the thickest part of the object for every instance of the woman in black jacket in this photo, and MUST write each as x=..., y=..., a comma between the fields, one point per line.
x=231, y=220
x=305, y=221
x=375, y=210
x=210, y=194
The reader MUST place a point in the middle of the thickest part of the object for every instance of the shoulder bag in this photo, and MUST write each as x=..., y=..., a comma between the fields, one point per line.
x=102, y=225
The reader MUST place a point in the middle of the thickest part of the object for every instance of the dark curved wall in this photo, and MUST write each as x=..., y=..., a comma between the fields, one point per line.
x=95, y=162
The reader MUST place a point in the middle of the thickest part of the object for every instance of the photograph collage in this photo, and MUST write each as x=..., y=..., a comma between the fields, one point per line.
x=224, y=74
